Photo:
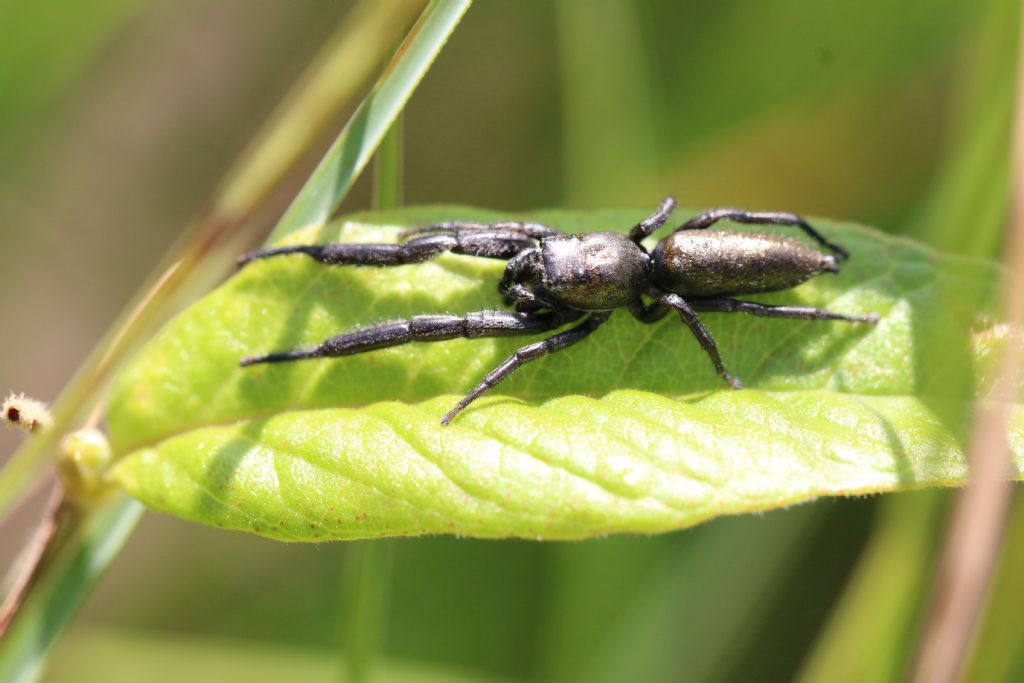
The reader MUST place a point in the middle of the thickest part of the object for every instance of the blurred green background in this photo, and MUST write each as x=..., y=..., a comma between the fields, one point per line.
x=118, y=117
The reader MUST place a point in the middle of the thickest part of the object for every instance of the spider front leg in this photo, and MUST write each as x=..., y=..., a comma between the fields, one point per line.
x=497, y=244
x=430, y=328
x=709, y=218
x=424, y=328
x=532, y=230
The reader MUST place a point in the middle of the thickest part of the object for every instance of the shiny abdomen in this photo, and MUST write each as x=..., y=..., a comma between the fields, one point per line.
x=705, y=263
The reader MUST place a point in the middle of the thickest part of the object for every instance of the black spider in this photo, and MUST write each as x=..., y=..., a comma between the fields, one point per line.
x=553, y=279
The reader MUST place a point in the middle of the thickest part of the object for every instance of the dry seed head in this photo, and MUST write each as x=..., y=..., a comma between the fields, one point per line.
x=25, y=413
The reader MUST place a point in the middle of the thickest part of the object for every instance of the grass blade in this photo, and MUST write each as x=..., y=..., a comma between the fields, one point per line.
x=971, y=187
x=354, y=147
x=330, y=83
x=96, y=538
x=93, y=543
x=879, y=607
x=372, y=562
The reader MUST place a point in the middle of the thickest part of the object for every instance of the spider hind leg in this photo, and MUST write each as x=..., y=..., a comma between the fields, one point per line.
x=709, y=218
x=724, y=305
x=526, y=354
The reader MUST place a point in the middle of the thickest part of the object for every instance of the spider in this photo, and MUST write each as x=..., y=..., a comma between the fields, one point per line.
x=553, y=279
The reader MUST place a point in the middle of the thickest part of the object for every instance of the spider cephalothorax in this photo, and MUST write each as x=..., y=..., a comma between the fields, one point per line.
x=553, y=279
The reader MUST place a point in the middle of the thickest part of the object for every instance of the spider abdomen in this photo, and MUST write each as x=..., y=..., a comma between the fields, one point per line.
x=594, y=271
x=705, y=263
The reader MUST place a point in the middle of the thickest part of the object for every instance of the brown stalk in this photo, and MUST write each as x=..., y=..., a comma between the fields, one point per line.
x=354, y=52
x=43, y=546
x=202, y=254
x=974, y=539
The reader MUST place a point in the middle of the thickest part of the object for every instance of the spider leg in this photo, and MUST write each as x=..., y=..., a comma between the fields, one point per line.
x=648, y=313
x=526, y=354
x=723, y=305
x=647, y=226
x=498, y=244
x=689, y=316
x=532, y=230
x=425, y=328
x=709, y=218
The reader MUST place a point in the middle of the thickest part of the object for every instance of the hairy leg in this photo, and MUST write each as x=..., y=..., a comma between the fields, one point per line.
x=709, y=218
x=646, y=227
x=648, y=313
x=525, y=355
x=425, y=328
x=724, y=305
x=531, y=230
x=689, y=316
x=496, y=244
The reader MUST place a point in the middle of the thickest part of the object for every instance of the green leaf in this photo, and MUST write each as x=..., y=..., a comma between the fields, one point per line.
x=630, y=431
